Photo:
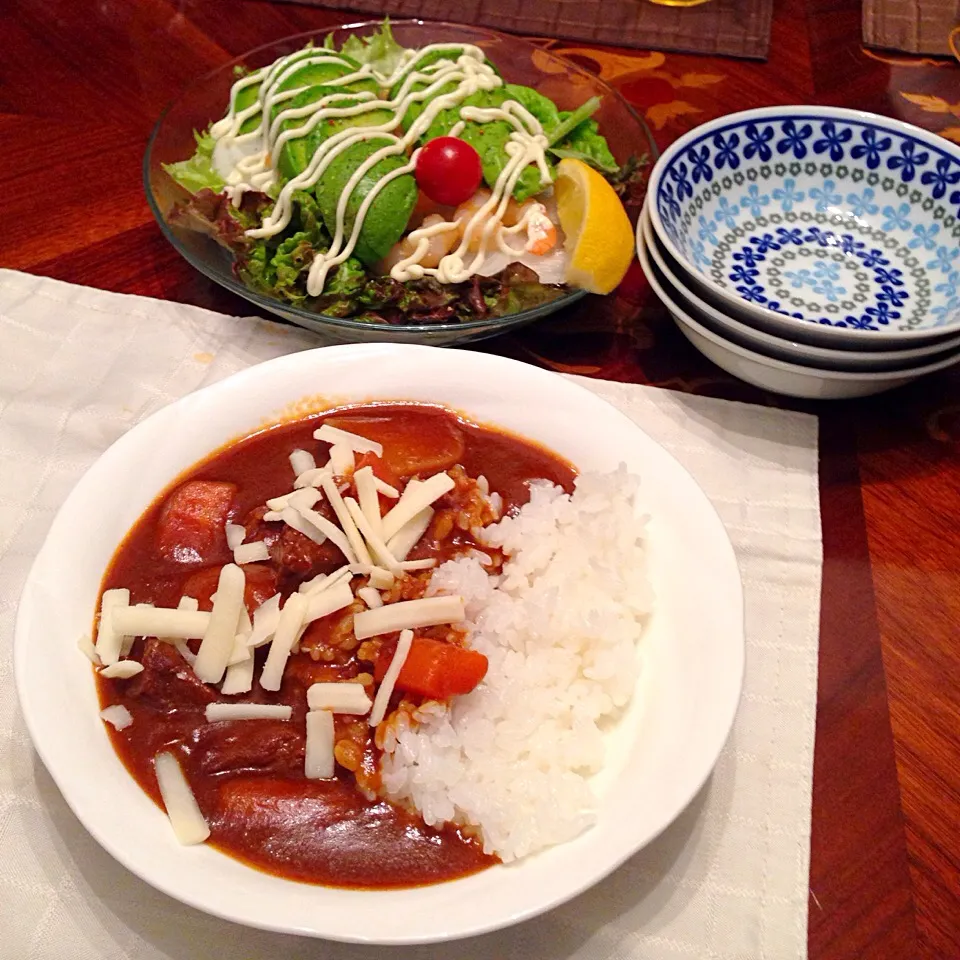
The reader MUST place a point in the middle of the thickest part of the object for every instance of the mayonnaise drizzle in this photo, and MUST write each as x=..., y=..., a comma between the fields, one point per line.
x=257, y=168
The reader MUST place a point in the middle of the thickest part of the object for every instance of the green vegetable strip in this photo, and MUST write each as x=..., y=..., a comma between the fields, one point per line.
x=583, y=112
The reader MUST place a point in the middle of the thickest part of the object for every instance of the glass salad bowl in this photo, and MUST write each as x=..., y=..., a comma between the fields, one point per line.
x=565, y=83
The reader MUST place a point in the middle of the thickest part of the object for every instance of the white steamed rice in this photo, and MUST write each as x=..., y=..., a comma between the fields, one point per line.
x=560, y=627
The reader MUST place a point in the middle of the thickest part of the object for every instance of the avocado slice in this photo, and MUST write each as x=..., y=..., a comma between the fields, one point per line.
x=387, y=218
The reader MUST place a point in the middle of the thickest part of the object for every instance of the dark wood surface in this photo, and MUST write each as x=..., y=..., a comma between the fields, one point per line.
x=81, y=84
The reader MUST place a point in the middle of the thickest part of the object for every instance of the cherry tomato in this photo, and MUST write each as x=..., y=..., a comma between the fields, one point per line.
x=448, y=171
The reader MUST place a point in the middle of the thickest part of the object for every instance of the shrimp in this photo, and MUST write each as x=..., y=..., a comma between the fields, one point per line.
x=469, y=208
x=541, y=230
x=438, y=245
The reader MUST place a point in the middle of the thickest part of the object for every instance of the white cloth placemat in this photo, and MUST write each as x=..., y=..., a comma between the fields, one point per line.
x=728, y=881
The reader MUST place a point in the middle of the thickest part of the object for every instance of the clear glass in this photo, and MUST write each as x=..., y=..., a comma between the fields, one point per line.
x=520, y=62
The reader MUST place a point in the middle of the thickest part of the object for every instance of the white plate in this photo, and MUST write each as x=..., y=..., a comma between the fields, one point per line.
x=659, y=755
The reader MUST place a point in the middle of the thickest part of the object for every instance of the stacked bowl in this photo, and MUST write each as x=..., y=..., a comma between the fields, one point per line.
x=811, y=251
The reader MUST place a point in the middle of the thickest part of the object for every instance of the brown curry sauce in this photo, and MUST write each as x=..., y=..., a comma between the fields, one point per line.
x=248, y=775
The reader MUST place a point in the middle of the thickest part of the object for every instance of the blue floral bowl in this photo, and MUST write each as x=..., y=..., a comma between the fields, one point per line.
x=834, y=226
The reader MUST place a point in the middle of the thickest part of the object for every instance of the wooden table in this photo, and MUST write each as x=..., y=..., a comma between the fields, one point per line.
x=81, y=85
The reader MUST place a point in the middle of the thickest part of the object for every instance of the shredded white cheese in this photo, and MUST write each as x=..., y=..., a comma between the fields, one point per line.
x=302, y=461
x=218, y=639
x=86, y=647
x=181, y=805
x=337, y=437
x=381, y=579
x=325, y=581
x=293, y=517
x=384, y=692
x=360, y=551
x=110, y=636
x=311, y=478
x=412, y=502
x=306, y=497
x=162, y=622
x=383, y=487
x=426, y=564
x=288, y=626
x=265, y=620
x=117, y=715
x=327, y=530
x=327, y=601
x=341, y=460
x=318, y=757
x=408, y=614
x=342, y=697
x=373, y=539
x=216, y=712
x=122, y=670
x=251, y=553
x=370, y=597
x=236, y=533
x=408, y=536
x=369, y=499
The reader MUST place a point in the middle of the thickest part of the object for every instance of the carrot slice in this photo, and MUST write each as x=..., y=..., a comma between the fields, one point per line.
x=435, y=669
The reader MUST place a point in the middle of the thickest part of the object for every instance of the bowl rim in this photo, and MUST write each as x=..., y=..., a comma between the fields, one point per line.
x=47, y=735
x=814, y=352
x=345, y=324
x=805, y=112
x=859, y=376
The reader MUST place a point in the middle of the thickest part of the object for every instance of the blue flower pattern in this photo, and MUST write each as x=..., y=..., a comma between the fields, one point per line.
x=788, y=195
x=832, y=140
x=924, y=236
x=827, y=197
x=726, y=213
x=897, y=219
x=908, y=161
x=941, y=177
x=861, y=204
x=754, y=201
x=795, y=139
x=871, y=148
x=727, y=151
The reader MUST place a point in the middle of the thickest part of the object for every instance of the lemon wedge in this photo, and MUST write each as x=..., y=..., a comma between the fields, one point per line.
x=599, y=237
